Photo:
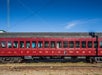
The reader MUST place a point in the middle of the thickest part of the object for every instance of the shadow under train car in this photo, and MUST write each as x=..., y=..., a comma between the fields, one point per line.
x=65, y=60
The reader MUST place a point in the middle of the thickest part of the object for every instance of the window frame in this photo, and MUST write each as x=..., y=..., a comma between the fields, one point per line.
x=5, y=44
x=20, y=44
x=10, y=44
x=91, y=44
x=58, y=44
x=66, y=45
x=54, y=44
x=79, y=44
x=73, y=44
x=48, y=44
x=41, y=44
x=96, y=44
x=100, y=46
x=27, y=43
x=17, y=43
x=82, y=46
x=35, y=42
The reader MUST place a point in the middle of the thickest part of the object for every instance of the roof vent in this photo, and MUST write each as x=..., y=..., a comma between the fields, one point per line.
x=2, y=31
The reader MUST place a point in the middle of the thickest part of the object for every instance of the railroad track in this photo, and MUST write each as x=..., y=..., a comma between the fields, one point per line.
x=21, y=67
x=51, y=69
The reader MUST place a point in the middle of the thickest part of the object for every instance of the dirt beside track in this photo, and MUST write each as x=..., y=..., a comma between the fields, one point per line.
x=51, y=69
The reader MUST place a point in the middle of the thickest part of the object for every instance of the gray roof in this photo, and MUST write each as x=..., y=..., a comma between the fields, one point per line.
x=48, y=34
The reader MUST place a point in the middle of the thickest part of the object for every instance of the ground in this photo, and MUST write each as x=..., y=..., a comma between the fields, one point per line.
x=51, y=69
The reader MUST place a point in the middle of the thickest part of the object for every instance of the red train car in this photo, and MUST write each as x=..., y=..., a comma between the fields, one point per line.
x=16, y=46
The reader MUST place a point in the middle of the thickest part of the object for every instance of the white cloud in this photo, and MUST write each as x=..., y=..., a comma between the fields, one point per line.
x=72, y=24
x=81, y=22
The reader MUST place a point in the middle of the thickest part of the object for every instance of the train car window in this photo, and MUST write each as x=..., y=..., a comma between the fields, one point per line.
x=21, y=44
x=9, y=44
x=89, y=44
x=3, y=44
x=27, y=44
x=95, y=44
x=0, y=45
x=15, y=44
x=40, y=43
x=53, y=44
x=77, y=44
x=83, y=44
x=34, y=44
x=59, y=44
x=65, y=44
x=71, y=44
x=46, y=44
x=100, y=44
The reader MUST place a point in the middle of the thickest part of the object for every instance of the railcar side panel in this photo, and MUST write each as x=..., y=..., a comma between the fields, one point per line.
x=81, y=51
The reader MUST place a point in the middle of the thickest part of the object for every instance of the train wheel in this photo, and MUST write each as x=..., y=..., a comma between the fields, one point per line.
x=74, y=59
x=92, y=59
x=10, y=59
x=6, y=59
x=17, y=59
x=87, y=59
x=98, y=59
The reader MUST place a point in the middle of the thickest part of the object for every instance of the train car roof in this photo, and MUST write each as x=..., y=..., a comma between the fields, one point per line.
x=49, y=34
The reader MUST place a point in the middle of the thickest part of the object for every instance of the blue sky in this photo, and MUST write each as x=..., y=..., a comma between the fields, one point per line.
x=51, y=16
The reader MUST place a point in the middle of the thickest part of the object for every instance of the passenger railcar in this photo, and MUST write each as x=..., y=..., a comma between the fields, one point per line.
x=15, y=47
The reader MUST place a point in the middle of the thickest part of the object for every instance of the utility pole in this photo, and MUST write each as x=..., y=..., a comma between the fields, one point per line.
x=8, y=14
